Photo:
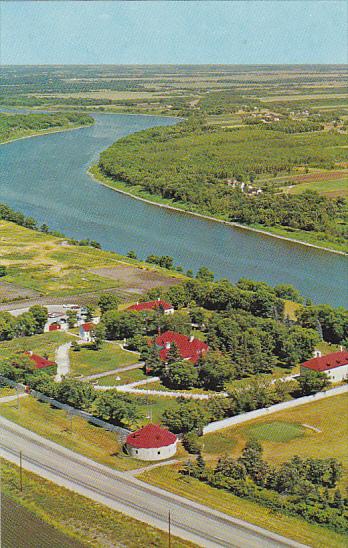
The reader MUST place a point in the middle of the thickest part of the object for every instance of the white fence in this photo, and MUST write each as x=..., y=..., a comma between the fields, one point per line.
x=238, y=419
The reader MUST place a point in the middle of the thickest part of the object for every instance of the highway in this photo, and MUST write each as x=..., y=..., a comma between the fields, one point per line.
x=189, y=520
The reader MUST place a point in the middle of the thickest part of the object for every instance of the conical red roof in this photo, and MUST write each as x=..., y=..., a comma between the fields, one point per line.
x=151, y=436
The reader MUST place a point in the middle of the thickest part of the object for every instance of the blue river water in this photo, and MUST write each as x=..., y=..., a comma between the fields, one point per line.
x=45, y=177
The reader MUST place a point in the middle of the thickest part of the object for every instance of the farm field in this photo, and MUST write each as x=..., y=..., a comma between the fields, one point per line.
x=43, y=513
x=333, y=188
x=47, y=265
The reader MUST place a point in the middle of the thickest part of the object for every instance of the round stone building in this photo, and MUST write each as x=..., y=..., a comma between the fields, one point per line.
x=151, y=443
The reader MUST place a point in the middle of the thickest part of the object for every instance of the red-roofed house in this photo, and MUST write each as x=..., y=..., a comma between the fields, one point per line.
x=39, y=361
x=153, y=305
x=86, y=330
x=189, y=348
x=152, y=442
x=335, y=365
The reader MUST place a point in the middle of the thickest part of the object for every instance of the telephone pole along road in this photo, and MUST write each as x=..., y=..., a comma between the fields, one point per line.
x=189, y=520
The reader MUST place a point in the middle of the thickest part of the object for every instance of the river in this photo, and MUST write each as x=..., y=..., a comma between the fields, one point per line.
x=45, y=177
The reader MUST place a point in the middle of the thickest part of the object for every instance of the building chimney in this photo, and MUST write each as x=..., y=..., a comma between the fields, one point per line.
x=158, y=298
x=341, y=348
x=317, y=354
x=191, y=339
x=167, y=345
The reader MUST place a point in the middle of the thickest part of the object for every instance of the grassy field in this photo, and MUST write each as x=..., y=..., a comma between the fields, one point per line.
x=47, y=343
x=124, y=378
x=88, y=361
x=168, y=478
x=47, y=265
x=46, y=517
x=333, y=188
x=51, y=423
x=284, y=435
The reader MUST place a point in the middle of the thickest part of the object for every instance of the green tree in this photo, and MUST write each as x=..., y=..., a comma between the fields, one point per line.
x=205, y=274
x=181, y=375
x=108, y=301
x=72, y=318
x=40, y=314
x=76, y=393
x=214, y=370
x=173, y=355
x=3, y=271
x=116, y=408
x=187, y=416
x=312, y=381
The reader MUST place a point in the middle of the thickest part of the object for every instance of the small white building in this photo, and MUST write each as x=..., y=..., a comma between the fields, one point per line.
x=86, y=331
x=334, y=365
x=152, y=442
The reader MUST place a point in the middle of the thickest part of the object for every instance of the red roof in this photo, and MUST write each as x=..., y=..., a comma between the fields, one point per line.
x=54, y=327
x=189, y=348
x=88, y=326
x=150, y=436
x=151, y=305
x=40, y=362
x=330, y=361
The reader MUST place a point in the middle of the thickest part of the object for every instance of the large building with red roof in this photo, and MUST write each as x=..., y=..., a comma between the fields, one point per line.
x=39, y=361
x=334, y=365
x=152, y=305
x=189, y=348
x=152, y=442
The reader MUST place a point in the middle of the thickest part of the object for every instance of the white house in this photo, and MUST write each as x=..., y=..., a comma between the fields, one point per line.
x=334, y=365
x=86, y=331
x=151, y=443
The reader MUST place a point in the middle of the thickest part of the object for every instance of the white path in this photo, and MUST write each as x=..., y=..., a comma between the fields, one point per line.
x=62, y=361
x=6, y=399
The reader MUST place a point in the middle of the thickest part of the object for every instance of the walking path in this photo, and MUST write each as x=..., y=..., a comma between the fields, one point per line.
x=113, y=371
x=6, y=399
x=150, y=467
x=62, y=361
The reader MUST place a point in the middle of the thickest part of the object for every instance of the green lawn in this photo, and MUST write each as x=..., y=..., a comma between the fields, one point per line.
x=275, y=431
x=125, y=378
x=88, y=361
x=47, y=343
x=79, y=517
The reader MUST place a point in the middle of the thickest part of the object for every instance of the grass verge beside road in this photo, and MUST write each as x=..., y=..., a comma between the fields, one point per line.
x=90, y=523
x=85, y=438
x=168, y=478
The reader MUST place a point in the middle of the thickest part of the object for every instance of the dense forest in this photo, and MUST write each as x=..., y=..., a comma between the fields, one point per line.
x=13, y=126
x=194, y=164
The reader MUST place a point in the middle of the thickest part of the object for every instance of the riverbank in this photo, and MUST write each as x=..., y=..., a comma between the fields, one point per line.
x=274, y=232
x=45, y=132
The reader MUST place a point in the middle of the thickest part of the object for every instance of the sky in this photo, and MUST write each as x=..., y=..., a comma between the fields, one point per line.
x=174, y=32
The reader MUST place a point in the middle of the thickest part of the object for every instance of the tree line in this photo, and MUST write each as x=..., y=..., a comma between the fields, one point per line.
x=304, y=487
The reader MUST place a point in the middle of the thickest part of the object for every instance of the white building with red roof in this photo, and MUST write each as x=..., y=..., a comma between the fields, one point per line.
x=334, y=365
x=189, y=348
x=152, y=442
x=86, y=331
x=153, y=305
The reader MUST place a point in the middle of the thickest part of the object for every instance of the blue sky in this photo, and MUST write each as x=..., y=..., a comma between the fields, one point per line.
x=310, y=31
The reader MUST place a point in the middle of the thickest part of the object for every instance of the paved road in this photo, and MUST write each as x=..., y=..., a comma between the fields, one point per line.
x=195, y=522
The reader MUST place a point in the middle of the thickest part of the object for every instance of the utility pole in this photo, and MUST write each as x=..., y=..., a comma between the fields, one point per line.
x=20, y=472
x=169, y=531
